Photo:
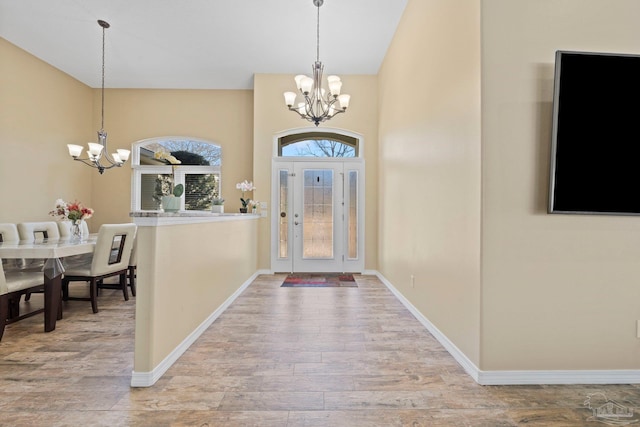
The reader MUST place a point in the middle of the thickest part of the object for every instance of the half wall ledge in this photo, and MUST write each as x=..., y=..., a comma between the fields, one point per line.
x=152, y=219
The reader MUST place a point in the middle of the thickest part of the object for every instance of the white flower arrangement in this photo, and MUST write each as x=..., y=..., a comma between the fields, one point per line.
x=245, y=186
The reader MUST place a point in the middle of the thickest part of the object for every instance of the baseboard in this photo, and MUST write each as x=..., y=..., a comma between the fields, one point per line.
x=454, y=351
x=622, y=376
x=147, y=379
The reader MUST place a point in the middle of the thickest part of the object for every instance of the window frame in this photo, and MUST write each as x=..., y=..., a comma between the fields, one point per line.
x=294, y=138
x=179, y=172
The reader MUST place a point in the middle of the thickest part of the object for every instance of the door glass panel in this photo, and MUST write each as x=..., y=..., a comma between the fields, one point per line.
x=352, y=218
x=283, y=221
x=318, y=214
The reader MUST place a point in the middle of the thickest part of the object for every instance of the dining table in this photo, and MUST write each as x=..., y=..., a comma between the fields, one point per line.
x=53, y=251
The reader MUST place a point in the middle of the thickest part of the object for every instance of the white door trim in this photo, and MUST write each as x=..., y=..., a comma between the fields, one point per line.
x=287, y=165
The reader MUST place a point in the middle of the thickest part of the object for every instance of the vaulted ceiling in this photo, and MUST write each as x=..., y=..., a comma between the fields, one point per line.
x=200, y=44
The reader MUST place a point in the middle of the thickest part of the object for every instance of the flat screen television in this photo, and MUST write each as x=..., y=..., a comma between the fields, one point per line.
x=595, y=148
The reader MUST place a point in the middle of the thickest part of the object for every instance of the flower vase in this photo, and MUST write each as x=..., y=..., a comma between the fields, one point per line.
x=243, y=210
x=76, y=230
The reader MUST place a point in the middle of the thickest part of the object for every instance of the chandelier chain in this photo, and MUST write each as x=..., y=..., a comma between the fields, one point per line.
x=103, y=49
x=99, y=151
x=318, y=35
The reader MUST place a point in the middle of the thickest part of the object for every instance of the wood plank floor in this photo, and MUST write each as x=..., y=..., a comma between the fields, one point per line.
x=276, y=357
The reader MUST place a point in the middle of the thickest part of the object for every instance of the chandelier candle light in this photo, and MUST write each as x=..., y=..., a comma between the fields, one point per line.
x=318, y=105
x=98, y=151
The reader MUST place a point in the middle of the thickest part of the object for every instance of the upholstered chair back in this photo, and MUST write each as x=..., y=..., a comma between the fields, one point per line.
x=32, y=231
x=113, y=248
x=9, y=232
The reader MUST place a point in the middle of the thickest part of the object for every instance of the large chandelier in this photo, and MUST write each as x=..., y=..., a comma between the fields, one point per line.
x=98, y=151
x=318, y=105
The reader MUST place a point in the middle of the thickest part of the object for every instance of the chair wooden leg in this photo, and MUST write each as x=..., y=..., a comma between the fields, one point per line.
x=93, y=294
x=4, y=312
x=132, y=280
x=123, y=285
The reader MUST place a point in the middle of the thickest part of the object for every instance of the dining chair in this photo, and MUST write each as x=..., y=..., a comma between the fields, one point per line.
x=14, y=284
x=131, y=274
x=110, y=258
x=33, y=231
x=9, y=233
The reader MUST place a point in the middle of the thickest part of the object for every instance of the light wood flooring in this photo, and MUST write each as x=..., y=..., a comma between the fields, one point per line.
x=277, y=357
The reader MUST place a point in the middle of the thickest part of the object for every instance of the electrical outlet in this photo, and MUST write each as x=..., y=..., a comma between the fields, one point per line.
x=413, y=285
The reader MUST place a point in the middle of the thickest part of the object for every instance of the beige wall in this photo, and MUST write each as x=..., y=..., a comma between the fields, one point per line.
x=511, y=286
x=429, y=181
x=272, y=117
x=559, y=291
x=221, y=116
x=41, y=110
x=172, y=302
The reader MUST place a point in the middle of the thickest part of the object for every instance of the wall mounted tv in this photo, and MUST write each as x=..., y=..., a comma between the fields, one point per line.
x=595, y=147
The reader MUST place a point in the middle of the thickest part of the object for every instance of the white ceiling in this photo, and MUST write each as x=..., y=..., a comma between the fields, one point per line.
x=200, y=44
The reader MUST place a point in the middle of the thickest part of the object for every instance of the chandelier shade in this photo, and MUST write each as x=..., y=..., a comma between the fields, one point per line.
x=97, y=155
x=317, y=104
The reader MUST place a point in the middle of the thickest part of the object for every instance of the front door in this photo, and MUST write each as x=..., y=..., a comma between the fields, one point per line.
x=318, y=216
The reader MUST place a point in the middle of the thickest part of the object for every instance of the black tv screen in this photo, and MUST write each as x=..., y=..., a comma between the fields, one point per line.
x=595, y=149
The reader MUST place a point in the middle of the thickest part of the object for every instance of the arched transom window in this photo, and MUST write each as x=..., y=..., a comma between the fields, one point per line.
x=317, y=144
x=161, y=163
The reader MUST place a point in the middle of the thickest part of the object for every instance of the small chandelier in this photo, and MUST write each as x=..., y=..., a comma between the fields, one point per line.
x=98, y=151
x=318, y=105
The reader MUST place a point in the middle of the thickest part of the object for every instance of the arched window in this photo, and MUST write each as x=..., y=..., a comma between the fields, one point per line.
x=161, y=163
x=317, y=144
